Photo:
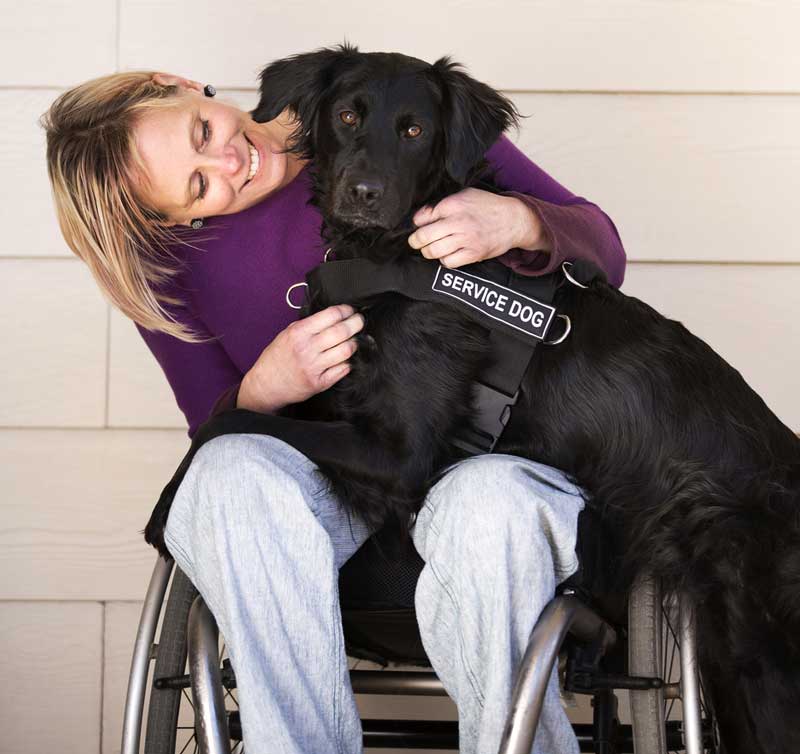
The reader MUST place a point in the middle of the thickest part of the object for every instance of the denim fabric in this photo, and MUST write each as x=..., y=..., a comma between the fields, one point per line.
x=254, y=528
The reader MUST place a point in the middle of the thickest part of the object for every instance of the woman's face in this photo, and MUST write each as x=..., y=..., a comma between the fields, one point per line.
x=199, y=157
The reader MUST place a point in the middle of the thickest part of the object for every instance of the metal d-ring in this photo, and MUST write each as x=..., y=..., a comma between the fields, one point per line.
x=569, y=277
x=563, y=336
x=325, y=258
x=289, y=290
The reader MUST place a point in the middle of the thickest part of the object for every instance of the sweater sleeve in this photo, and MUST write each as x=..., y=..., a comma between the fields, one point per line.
x=202, y=376
x=577, y=228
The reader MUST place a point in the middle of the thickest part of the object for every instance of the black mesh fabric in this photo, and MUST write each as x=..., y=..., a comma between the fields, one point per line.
x=376, y=594
x=380, y=575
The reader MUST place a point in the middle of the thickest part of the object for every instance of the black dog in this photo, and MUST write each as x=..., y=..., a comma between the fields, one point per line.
x=698, y=480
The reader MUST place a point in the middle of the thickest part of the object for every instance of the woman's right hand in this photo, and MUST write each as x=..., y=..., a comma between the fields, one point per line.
x=306, y=358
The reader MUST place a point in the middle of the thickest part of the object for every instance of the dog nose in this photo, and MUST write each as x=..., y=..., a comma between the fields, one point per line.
x=366, y=192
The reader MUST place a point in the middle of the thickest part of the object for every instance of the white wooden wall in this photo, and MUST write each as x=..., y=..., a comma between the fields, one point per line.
x=680, y=119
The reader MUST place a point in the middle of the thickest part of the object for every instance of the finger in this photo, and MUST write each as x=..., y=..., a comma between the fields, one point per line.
x=442, y=247
x=445, y=207
x=338, y=332
x=460, y=258
x=334, y=374
x=336, y=355
x=433, y=232
x=426, y=214
x=322, y=320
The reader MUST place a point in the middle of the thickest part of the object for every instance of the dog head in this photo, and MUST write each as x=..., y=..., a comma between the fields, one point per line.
x=386, y=132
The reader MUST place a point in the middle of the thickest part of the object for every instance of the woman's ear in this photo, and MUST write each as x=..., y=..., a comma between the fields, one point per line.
x=474, y=117
x=168, y=79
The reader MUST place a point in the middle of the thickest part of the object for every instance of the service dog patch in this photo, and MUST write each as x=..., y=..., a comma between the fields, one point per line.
x=496, y=301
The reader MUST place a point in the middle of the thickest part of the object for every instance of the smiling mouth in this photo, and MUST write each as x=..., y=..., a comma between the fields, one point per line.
x=255, y=161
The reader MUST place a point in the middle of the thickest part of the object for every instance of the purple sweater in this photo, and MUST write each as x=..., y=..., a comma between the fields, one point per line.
x=234, y=280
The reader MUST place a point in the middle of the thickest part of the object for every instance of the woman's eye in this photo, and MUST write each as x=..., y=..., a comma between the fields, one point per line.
x=413, y=131
x=206, y=137
x=348, y=117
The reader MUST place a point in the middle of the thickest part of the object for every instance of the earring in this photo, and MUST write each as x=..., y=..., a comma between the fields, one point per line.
x=209, y=90
x=197, y=223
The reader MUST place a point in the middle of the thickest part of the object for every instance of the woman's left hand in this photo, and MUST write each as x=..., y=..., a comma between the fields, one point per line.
x=473, y=225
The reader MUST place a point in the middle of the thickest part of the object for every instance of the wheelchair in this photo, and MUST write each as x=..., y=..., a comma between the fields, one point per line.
x=643, y=644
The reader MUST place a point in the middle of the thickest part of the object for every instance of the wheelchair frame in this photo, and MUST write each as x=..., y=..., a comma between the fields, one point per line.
x=564, y=614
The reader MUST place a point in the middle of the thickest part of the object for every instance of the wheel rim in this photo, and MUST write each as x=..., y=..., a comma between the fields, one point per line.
x=170, y=725
x=671, y=673
x=654, y=651
x=186, y=738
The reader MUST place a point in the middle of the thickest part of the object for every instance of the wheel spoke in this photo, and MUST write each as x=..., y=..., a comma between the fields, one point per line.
x=671, y=666
x=669, y=625
x=703, y=707
x=229, y=695
x=670, y=639
x=657, y=646
x=192, y=738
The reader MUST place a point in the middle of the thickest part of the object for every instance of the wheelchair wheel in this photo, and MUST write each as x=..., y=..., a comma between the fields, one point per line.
x=654, y=651
x=170, y=716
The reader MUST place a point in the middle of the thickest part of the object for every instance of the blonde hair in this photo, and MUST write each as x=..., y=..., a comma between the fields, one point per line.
x=91, y=159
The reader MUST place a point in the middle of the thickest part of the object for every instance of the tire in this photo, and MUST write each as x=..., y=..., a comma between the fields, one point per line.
x=646, y=653
x=165, y=705
x=162, y=714
x=644, y=659
x=652, y=652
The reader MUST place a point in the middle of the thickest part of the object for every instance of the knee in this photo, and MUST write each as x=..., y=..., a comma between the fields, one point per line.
x=505, y=483
x=223, y=463
x=233, y=479
x=491, y=500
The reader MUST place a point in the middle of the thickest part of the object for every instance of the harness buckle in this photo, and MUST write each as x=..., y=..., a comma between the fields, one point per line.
x=492, y=412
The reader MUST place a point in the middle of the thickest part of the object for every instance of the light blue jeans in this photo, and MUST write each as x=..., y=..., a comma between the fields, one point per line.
x=255, y=530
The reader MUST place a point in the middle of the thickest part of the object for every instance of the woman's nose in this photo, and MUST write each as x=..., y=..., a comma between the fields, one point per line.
x=227, y=159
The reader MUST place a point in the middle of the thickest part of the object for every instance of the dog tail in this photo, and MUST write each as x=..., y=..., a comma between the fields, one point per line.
x=748, y=638
x=731, y=548
x=785, y=592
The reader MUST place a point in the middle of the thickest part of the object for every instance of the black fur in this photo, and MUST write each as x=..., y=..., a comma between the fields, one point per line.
x=698, y=480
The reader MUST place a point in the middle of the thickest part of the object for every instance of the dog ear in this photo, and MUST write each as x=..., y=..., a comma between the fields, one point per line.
x=299, y=82
x=474, y=117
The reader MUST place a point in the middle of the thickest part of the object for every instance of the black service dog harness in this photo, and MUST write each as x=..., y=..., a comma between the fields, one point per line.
x=517, y=310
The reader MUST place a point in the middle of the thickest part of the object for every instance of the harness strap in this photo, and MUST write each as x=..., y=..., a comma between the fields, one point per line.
x=516, y=309
x=488, y=292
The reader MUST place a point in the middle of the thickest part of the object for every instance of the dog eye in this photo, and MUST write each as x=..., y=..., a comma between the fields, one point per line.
x=348, y=117
x=413, y=131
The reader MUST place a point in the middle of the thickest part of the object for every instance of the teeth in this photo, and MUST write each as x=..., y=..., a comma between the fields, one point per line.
x=253, y=162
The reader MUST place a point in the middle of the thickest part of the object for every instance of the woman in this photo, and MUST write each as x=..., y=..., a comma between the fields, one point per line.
x=195, y=221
